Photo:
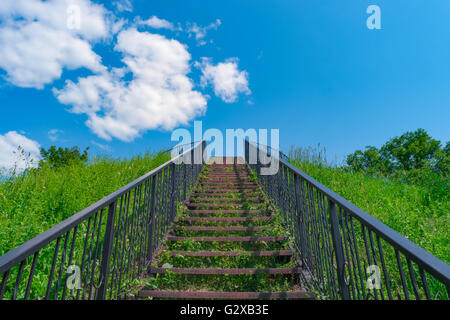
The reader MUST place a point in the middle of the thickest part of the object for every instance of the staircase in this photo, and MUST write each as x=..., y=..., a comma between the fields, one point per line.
x=226, y=243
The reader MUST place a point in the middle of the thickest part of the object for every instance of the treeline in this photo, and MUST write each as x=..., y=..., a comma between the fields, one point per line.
x=414, y=158
x=61, y=157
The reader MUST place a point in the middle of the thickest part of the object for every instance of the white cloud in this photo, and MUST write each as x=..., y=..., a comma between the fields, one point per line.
x=53, y=134
x=151, y=91
x=39, y=39
x=159, y=96
x=225, y=77
x=157, y=23
x=200, y=32
x=11, y=157
x=123, y=5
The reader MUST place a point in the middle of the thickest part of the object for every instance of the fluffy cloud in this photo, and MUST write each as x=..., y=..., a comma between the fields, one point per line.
x=159, y=96
x=11, y=157
x=200, y=32
x=39, y=39
x=152, y=90
x=225, y=77
x=157, y=23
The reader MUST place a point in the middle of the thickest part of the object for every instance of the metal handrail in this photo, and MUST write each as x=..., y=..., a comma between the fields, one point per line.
x=16, y=255
x=303, y=199
x=436, y=267
x=173, y=193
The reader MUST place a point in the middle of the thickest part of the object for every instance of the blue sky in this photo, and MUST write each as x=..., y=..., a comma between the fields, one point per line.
x=311, y=69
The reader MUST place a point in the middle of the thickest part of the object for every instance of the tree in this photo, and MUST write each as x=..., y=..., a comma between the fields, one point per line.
x=412, y=150
x=368, y=160
x=59, y=157
x=443, y=161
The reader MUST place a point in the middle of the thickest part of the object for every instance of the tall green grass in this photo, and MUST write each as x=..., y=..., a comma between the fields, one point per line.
x=409, y=209
x=37, y=200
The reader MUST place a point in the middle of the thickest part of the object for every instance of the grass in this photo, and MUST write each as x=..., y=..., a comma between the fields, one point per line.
x=34, y=202
x=405, y=208
x=412, y=210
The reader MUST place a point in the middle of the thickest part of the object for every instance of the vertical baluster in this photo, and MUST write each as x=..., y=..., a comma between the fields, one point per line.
x=18, y=279
x=4, y=282
x=86, y=240
x=144, y=228
x=107, y=248
x=124, y=239
x=72, y=247
x=96, y=253
x=385, y=272
x=357, y=257
x=413, y=279
x=346, y=252
x=173, y=192
x=352, y=248
x=52, y=270
x=402, y=275
x=117, y=248
x=61, y=266
x=375, y=261
x=89, y=256
x=152, y=219
x=31, y=276
x=425, y=283
x=337, y=243
x=327, y=251
x=369, y=259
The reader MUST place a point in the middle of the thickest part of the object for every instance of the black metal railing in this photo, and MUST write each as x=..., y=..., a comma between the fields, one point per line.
x=345, y=252
x=99, y=252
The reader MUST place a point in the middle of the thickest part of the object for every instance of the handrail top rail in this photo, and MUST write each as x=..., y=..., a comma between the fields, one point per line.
x=36, y=243
x=434, y=265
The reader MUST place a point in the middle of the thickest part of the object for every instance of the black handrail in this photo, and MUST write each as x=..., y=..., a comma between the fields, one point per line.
x=137, y=217
x=334, y=249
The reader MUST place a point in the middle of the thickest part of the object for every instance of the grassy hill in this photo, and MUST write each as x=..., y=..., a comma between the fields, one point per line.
x=34, y=202
x=412, y=210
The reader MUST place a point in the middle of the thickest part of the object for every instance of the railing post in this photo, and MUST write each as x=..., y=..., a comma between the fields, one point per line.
x=258, y=161
x=299, y=217
x=173, y=198
x=184, y=180
x=246, y=151
x=152, y=219
x=191, y=182
x=339, y=251
x=184, y=175
x=107, y=248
